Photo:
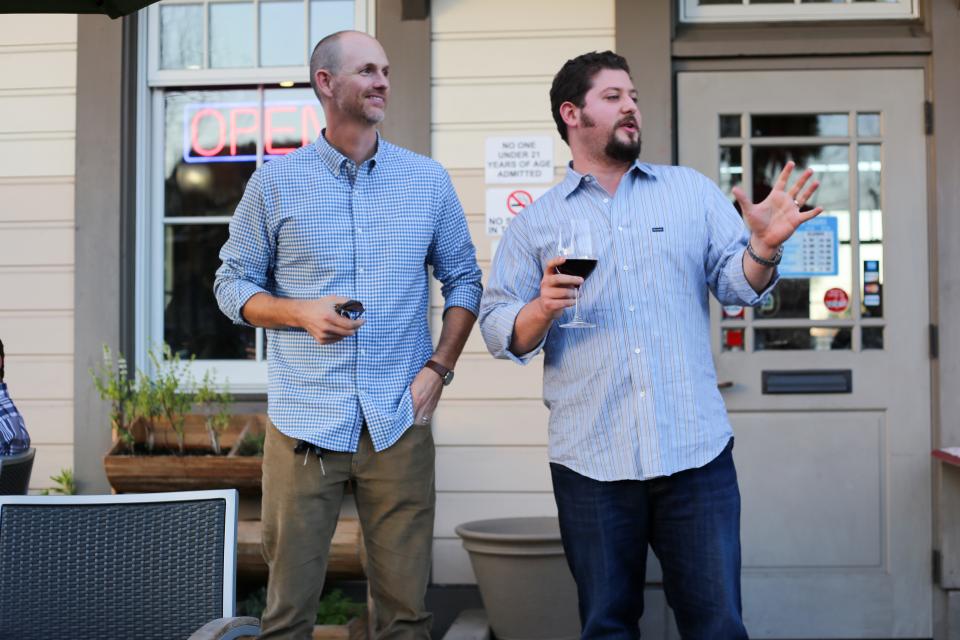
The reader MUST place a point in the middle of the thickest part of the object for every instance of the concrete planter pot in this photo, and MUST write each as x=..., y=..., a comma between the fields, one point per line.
x=524, y=580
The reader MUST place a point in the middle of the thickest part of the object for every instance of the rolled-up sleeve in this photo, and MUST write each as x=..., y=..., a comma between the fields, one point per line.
x=514, y=281
x=727, y=238
x=247, y=255
x=453, y=256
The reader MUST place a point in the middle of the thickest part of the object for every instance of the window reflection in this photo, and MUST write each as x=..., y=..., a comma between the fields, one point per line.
x=731, y=169
x=329, y=16
x=871, y=229
x=181, y=41
x=801, y=296
x=730, y=126
x=231, y=35
x=214, y=140
x=210, y=151
x=813, y=124
x=872, y=337
x=868, y=124
x=279, y=41
x=192, y=322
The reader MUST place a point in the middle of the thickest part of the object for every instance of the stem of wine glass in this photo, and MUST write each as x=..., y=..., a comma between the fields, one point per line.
x=576, y=306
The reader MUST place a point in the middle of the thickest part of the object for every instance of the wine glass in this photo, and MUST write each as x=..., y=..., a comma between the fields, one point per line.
x=575, y=243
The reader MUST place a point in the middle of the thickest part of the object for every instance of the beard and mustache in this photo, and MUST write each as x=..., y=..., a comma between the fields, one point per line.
x=616, y=149
x=356, y=107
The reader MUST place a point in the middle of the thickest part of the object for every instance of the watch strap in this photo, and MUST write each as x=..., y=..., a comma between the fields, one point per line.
x=441, y=370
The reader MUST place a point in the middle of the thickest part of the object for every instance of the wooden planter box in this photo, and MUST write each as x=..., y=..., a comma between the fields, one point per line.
x=196, y=468
x=346, y=560
x=356, y=629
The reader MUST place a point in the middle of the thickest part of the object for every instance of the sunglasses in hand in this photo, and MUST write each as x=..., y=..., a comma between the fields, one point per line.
x=352, y=309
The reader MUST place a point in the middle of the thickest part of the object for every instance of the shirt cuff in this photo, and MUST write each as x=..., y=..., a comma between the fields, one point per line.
x=244, y=291
x=466, y=296
x=741, y=286
x=503, y=321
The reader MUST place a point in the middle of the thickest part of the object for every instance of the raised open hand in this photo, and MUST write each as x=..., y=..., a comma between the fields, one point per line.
x=775, y=219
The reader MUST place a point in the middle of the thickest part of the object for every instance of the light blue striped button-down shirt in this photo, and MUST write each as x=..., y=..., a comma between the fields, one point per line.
x=313, y=224
x=636, y=397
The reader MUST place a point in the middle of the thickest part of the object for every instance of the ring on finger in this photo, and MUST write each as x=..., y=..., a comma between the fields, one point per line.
x=798, y=203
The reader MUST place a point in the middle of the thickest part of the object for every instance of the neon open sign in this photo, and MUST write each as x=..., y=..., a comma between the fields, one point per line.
x=224, y=132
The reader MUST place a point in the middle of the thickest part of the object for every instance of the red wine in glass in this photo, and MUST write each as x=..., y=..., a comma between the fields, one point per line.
x=575, y=243
x=580, y=267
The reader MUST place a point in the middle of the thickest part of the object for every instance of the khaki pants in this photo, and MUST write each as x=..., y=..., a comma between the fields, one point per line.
x=395, y=496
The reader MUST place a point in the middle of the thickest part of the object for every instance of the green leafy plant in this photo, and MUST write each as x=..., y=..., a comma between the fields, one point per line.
x=64, y=484
x=253, y=604
x=171, y=384
x=336, y=608
x=112, y=380
x=215, y=407
x=251, y=445
x=145, y=408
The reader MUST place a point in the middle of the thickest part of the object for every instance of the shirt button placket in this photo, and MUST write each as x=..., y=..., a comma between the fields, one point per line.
x=360, y=255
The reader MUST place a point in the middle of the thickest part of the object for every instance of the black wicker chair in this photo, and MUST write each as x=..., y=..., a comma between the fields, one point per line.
x=15, y=473
x=155, y=566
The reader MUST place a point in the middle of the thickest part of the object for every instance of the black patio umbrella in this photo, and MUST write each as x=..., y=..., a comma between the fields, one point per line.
x=112, y=8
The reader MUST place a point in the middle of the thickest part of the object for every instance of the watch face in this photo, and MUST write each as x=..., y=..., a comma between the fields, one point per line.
x=447, y=379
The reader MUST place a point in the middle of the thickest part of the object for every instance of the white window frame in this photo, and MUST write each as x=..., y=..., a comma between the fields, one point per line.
x=243, y=376
x=692, y=12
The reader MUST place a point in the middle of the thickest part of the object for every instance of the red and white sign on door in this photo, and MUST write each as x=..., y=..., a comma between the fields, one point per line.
x=836, y=300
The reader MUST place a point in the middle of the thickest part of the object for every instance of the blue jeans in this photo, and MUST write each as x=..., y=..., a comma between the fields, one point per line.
x=691, y=520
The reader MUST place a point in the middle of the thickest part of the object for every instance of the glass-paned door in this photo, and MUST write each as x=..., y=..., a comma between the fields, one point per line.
x=829, y=390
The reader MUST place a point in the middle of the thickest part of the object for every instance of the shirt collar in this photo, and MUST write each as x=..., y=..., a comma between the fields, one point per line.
x=574, y=179
x=334, y=159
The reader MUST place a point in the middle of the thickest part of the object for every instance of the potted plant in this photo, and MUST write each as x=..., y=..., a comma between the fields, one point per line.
x=172, y=433
x=338, y=617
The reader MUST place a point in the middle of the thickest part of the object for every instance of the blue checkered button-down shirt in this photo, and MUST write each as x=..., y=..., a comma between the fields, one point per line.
x=13, y=432
x=636, y=397
x=314, y=224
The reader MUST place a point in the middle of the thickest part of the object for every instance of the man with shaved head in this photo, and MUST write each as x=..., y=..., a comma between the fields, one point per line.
x=344, y=228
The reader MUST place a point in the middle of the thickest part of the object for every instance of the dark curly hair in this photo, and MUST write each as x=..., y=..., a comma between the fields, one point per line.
x=575, y=78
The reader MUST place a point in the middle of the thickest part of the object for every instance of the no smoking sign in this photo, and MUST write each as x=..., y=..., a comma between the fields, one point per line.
x=517, y=200
x=505, y=204
x=836, y=300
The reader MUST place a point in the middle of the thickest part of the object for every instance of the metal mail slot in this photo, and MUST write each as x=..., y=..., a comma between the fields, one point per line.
x=810, y=381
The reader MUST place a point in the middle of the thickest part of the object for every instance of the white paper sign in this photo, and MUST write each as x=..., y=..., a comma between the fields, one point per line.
x=504, y=204
x=519, y=160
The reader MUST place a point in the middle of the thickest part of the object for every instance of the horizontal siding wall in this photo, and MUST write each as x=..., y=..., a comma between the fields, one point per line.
x=493, y=61
x=38, y=62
